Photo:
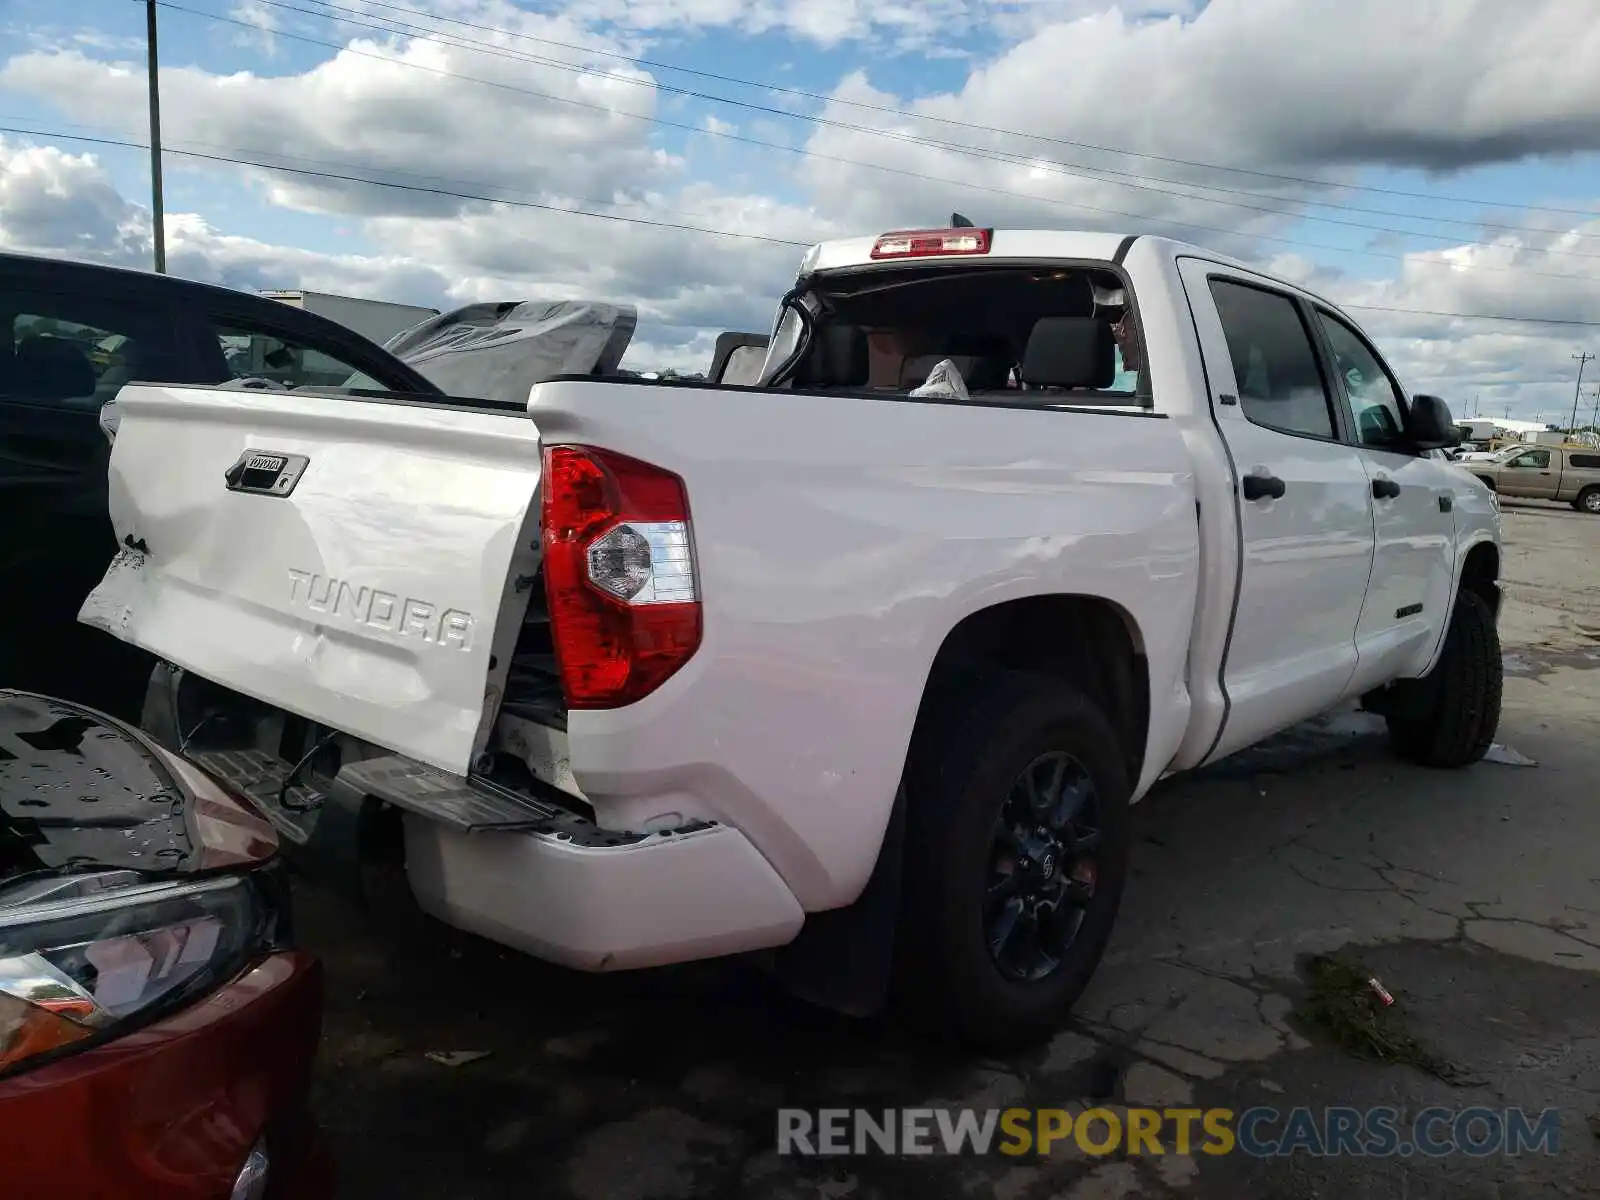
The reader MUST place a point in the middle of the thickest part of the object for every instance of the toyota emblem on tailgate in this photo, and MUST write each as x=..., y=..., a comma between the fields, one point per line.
x=266, y=472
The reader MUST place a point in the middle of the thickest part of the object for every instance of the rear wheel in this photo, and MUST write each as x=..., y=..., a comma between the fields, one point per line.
x=1017, y=842
x=1588, y=501
x=1451, y=717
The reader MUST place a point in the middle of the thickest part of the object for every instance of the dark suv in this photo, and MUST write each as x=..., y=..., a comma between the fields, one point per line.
x=71, y=335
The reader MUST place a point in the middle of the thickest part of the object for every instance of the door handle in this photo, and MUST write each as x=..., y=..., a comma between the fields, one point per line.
x=1385, y=489
x=1262, y=487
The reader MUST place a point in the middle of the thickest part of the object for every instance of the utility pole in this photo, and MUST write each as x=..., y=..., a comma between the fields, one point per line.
x=1594, y=417
x=1582, y=360
x=157, y=210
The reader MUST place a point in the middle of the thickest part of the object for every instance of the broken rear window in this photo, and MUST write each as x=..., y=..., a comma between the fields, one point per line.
x=1071, y=331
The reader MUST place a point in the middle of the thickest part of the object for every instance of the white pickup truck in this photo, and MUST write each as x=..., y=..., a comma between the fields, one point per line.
x=859, y=674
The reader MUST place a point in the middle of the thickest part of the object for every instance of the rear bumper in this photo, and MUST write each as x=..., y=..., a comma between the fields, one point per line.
x=521, y=868
x=171, y=1111
x=667, y=898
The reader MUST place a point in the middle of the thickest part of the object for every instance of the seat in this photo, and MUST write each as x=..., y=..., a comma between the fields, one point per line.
x=837, y=359
x=1070, y=352
x=984, y=360
x=51, y=368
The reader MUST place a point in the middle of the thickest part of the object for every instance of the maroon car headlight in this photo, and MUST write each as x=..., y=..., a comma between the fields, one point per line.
x=90, y=955
x=87, y=957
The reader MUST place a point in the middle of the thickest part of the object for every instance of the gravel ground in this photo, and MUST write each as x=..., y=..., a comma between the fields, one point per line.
x=1474, y=896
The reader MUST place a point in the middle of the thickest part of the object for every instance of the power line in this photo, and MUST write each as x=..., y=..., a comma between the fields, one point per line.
x=622, y=219
x=408, y=187
x=730, y=136
x=502, y=196
x=1430, y=312
x=1124, y=179
x=824, y=98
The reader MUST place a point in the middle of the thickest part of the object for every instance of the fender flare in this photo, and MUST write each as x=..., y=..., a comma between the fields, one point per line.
x=1483, y=539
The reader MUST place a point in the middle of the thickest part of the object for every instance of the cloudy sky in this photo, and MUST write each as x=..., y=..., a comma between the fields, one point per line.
x=1408, y=159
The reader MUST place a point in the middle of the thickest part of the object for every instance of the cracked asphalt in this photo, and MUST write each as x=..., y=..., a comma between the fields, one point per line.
x=1474, y=897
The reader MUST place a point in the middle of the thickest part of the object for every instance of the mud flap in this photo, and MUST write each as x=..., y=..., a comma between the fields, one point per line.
x=842, y=960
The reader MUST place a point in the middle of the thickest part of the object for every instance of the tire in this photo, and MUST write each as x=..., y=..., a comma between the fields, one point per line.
x=972, y=745
x=1588, y=501
x=1461, y=695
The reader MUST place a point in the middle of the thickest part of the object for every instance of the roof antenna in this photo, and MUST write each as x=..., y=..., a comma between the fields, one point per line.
x=957, y=221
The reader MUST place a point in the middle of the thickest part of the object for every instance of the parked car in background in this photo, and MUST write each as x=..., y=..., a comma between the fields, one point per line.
x=1567, y=473
x=157, y=1026
x=71, y=335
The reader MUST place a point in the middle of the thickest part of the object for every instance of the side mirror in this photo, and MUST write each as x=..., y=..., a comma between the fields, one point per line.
x=1430, y=426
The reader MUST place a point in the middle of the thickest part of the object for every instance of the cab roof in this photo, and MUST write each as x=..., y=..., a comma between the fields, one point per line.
x=1002, y=244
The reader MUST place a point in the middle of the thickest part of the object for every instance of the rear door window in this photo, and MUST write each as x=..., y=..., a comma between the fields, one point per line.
x=70, y=353
x=255, y=344
x=1280, y=384
x=64, y=352
x=254, y=352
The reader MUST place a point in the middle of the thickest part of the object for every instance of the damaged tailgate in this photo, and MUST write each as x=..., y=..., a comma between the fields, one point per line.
x=349, y=560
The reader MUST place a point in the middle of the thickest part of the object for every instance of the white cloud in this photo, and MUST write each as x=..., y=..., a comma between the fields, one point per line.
x=1311, y=88
x=684, y=283
x=1251, y=83
x=939, y=28
x=678, y=278
x=402, y=112
x=823, y=22
x=262, y=19
x=1525, y=365
x=58, y=203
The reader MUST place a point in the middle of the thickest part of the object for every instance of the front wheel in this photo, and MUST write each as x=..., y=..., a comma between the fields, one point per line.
x=1017, y=843
x=1455, y=709
x=1588, y=501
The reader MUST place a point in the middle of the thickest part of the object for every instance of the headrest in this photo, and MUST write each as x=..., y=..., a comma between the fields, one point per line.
x=50, y=368
x=837, y=358
x=1070, y=352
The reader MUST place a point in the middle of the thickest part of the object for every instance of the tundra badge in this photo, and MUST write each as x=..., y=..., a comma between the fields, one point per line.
x=266, y=472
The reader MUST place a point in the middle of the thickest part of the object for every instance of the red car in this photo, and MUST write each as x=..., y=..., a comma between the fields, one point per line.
x=157, y=1028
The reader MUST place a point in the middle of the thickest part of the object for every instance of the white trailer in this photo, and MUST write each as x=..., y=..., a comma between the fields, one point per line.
x=376, y=320
x=1477, y=429
x=1546, y=437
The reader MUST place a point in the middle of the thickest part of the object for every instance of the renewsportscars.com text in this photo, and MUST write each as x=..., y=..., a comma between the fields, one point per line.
x=1261, y=1132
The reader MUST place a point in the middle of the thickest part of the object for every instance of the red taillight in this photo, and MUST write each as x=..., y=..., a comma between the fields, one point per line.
x=917, y=243
x=619, y=575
